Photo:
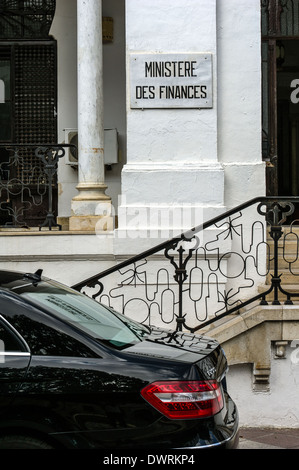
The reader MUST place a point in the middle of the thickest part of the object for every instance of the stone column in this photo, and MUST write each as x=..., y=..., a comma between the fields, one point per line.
x=91, y=203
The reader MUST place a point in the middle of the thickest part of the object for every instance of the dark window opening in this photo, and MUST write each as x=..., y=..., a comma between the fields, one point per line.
x=28, y=80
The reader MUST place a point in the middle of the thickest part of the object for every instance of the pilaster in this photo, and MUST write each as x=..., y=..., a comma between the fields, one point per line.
x=171, y=139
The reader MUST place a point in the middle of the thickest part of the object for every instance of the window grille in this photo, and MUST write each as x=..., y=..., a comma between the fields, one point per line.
x=26, y=19
x=280, y=18
x=35, y=99
x=23, y=198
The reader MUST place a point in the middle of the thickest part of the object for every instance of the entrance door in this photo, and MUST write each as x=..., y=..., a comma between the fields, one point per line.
x=27, y=108
x=28, y=116
x=280, y=67
x=288, y=119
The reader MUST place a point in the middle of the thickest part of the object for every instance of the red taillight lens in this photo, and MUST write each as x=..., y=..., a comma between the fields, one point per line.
x=185, y=399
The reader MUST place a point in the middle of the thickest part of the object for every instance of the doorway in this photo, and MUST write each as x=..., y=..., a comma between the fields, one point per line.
x=280, y=72
x=28, y=116
x=288, y=118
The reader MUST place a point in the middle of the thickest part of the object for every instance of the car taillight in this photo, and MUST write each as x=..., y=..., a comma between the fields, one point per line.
x=185, y=399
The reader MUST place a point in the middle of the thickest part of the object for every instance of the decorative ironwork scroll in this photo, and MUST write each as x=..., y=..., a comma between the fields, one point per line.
x=28, y=186
x=210, y=272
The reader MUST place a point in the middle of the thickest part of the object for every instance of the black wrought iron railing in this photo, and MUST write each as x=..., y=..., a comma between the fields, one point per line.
x=219, y=267
x=28, y=184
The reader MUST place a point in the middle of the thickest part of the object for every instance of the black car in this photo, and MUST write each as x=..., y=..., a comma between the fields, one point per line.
x=77, y=375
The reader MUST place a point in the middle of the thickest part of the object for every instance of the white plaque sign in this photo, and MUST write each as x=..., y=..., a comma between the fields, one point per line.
x=171, y=80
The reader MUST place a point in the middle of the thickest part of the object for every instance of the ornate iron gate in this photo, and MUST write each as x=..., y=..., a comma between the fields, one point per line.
x=33, y=120
x=28, y=59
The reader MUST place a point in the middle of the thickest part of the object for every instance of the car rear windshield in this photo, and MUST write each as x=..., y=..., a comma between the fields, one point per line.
x=88, y=315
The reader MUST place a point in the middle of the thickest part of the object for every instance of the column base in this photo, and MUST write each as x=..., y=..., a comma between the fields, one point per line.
x=64, y=222
x=91, y=223
x=91, y=192
x=91, y=209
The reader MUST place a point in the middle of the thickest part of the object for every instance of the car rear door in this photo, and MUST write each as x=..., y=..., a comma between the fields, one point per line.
x=14, y=362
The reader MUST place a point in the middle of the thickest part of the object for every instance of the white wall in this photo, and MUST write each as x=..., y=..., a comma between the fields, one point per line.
x=192, y=147
x=277, y=408
x=171, y=153
x=181, y=136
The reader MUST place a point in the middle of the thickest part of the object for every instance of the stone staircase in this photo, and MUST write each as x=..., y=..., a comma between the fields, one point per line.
x=256, y=336
x=251, y=335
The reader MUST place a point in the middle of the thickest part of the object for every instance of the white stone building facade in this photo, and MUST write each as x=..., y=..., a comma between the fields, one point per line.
x=171, y=156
